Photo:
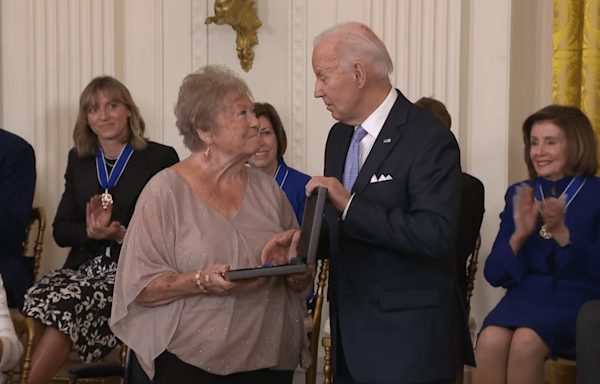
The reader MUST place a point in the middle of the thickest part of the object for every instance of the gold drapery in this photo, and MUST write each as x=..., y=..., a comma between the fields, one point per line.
x=576, y=58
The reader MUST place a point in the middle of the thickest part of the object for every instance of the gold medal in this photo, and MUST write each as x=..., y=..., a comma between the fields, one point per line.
x=106, y=198
x=544, y=233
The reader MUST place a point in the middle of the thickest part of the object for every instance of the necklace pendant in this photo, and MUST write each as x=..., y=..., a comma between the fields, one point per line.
x=106, y=198
x=544, y=233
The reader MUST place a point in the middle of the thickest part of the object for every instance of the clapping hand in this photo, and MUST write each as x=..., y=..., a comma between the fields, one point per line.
x=98, y=220
x=553, y=212
x=526, y=211
x=525, y=215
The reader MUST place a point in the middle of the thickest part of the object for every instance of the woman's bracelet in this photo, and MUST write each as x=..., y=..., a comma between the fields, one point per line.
x=198, y=277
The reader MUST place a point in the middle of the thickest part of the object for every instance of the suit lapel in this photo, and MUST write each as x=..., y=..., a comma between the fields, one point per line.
x=341, y=144
x=388, y=138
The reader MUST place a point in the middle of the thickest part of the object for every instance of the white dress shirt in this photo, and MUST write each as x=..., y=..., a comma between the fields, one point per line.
x=12, y=349
x=373, y=125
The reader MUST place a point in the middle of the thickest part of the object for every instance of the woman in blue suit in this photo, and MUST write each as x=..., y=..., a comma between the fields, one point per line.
x=546, y=252
x=269, y=158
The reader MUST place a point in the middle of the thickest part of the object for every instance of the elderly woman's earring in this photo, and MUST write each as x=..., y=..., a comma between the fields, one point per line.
x=207, y=155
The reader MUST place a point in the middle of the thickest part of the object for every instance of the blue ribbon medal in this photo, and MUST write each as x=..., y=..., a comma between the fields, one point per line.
x=569, y=194
x=109, y=182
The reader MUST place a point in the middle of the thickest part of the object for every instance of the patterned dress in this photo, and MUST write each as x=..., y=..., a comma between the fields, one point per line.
x=78, y=303
x=77, y=299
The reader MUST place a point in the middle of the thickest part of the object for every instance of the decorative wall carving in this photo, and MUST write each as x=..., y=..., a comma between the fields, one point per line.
x=241, y=16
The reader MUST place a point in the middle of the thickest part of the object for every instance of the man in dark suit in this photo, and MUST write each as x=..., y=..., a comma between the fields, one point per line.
x=17, y=185
x=472, y=206
x=396, y=310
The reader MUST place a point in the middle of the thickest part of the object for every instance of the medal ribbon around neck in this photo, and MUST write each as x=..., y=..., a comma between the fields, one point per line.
x=570, y=192
x=280, y=177
x=106, y=182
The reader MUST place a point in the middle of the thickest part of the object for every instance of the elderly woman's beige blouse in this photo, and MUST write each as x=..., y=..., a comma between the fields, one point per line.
x=174, y=231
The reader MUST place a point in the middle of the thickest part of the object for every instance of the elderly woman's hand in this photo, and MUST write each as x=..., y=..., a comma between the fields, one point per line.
x=525, y=216
x=281, y=248
x=553, y=213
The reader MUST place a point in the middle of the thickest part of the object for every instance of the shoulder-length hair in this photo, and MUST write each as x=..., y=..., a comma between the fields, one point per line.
x=202, y=96
x=582, y=144
x=266, y=110
x=86, y=141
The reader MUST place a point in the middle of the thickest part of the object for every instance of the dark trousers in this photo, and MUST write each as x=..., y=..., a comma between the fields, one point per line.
x=588, y=343
x=343, y=376
x=170, y=370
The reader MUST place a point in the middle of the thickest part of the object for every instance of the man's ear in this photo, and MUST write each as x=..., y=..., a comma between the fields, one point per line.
x=360, y=74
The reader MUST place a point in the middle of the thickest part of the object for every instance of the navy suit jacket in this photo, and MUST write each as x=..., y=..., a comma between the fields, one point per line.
x=81, y=183
x=17, y=185
x=395, y=304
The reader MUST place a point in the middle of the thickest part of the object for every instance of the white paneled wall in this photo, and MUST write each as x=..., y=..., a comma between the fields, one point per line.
x=459, y=51
x=51, y=49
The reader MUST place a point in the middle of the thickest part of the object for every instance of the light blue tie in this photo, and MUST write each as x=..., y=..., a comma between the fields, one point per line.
x=351, y=167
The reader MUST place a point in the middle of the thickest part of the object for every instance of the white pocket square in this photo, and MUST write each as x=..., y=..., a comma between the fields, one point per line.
x=375, y=179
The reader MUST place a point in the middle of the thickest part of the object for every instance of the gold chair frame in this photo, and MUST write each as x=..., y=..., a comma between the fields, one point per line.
x=25, y=331
x=24, y=325
x=311, y=372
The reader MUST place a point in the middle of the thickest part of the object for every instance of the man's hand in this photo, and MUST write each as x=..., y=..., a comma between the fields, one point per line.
x=336, y=193
x=281, y=248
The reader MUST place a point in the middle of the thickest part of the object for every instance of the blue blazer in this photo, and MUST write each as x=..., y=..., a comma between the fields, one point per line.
x=17, y=185
x=293, y=183
x=396, y=310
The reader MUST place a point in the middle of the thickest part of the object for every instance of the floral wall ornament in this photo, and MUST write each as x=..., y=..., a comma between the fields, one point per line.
x=241, y=15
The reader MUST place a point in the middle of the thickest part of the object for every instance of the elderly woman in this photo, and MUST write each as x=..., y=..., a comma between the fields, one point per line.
x=194, y=221
x=269, y=158
x=106, y=171
x=546, y=252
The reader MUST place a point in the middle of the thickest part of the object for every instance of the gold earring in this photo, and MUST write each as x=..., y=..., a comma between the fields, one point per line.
x=207, y=155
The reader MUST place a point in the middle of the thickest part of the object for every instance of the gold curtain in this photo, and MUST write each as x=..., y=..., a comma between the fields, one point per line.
x=576, y=58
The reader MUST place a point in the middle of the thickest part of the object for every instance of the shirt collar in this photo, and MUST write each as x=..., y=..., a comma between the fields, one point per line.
x=375, y=121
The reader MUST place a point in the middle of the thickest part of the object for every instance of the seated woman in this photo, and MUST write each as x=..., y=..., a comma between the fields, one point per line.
x=269, y=158
x=546, y=252
x=106, y=171
x=193, y=222
x=11, y=348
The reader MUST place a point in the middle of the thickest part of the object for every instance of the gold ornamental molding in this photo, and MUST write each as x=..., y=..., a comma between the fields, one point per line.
x=241, y=15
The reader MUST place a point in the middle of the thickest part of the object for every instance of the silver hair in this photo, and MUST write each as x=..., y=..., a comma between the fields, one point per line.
x=202, y=97
x=356, y=46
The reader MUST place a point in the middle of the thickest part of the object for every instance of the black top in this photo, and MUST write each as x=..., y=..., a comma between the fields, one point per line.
x=81, y=183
